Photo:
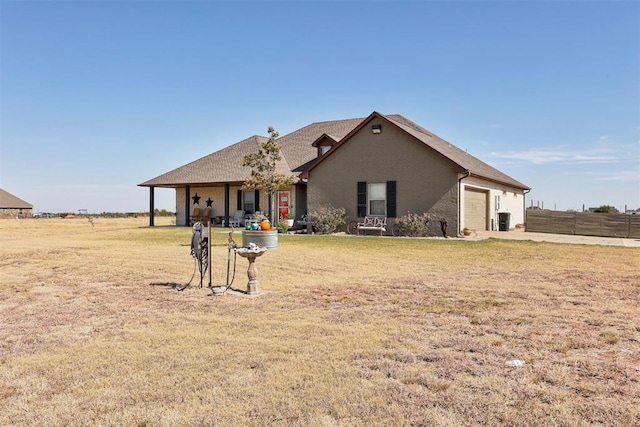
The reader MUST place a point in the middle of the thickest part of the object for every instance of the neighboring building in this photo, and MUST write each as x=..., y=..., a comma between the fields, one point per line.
x=13, y=207
x=382, y=164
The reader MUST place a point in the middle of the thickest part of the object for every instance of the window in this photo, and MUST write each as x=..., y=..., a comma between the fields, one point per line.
x=249, y=201
x=377, y=200
x=324, y=149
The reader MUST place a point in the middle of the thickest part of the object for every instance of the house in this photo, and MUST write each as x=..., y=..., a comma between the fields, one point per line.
x=378, y=165
x=13, y=207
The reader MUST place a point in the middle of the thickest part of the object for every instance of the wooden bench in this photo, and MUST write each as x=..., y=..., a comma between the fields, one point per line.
x=377, y=223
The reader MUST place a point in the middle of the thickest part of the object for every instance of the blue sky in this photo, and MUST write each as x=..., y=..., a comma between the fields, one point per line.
x=99, y=96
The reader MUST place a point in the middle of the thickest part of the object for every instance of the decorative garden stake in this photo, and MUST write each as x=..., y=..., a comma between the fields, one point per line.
x=443, y=227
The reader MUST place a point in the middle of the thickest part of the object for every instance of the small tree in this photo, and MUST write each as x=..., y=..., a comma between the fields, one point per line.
x=263, y=169
x=605, y=209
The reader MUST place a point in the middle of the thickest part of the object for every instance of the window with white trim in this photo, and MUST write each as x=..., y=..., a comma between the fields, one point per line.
x=377, y=199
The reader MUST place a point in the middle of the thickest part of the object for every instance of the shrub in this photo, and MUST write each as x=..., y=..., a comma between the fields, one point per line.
x=605, y=209
x=282, y=227
x=413, y=225
x=326, y=219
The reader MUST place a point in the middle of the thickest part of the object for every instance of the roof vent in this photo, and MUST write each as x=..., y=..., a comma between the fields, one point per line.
x=376, y=129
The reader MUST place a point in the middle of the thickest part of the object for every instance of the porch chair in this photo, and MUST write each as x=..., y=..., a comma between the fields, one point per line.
x=238, y=216
x=205, y=215
x=195, y=216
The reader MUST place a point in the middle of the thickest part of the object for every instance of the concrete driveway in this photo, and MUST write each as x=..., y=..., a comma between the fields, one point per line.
x=520, y=234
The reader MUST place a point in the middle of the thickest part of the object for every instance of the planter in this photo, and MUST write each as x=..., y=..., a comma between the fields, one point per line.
x=266, y=238
x=289, y=223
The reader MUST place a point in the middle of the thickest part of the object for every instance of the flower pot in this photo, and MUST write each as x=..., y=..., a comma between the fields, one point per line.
x=289, y=223
x=262, y=238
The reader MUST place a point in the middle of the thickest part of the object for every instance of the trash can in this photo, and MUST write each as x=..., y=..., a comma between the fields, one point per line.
x=503, y=221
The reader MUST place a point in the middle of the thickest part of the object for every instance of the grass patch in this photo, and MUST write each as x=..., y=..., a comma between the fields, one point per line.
x=347, y=331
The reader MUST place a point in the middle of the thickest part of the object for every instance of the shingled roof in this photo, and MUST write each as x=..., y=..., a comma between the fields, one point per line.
x=221, y=166
x=9, y=201
x=465, y=160
x=224, y=166
x=299, y=154
x=297, y=147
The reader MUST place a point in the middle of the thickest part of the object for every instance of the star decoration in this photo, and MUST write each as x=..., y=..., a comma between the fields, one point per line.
x=209, y=202
x=196, y=199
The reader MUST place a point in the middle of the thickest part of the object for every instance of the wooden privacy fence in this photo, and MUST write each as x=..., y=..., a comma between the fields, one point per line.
x=583, y=223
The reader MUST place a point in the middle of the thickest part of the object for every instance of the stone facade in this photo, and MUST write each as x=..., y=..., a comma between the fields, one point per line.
x=16, y=212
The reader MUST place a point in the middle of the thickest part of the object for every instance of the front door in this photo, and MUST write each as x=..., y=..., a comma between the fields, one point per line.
x=284, y=198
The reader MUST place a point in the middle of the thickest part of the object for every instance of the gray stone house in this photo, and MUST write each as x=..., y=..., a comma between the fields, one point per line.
x=378, y=165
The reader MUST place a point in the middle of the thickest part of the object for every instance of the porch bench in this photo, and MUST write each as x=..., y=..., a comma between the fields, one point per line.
x=377, y=223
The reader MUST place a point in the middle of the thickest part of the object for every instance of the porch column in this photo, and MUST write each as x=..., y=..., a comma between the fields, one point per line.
x=187, y=205
x=151, y=206
x=226, y=204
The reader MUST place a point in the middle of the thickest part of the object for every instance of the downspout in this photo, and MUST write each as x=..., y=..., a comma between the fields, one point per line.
x=467, y=173
x=524, y=207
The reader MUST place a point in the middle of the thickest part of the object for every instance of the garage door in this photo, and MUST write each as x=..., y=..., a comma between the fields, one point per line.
x=475, y=209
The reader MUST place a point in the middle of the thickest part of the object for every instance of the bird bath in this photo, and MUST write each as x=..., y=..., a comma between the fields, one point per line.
x=251, y=253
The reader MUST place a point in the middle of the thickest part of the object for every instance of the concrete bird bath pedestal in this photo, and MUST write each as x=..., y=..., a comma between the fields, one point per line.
x=251, y=253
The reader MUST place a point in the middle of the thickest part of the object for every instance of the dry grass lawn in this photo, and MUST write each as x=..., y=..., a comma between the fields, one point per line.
x=352, y=331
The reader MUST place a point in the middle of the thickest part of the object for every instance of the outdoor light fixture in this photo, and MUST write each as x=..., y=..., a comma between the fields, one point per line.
x=376, y=128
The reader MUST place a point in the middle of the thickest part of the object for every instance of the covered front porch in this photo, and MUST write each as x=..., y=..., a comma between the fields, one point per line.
x=219, y=202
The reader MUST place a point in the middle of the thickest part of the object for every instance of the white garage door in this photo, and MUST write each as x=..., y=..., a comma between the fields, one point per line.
x=475, y=209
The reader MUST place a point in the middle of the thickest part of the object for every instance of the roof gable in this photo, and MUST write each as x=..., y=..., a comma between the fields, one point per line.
x=460, y=160
x=297, y=146
x=324, y=137
x=466, y=161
